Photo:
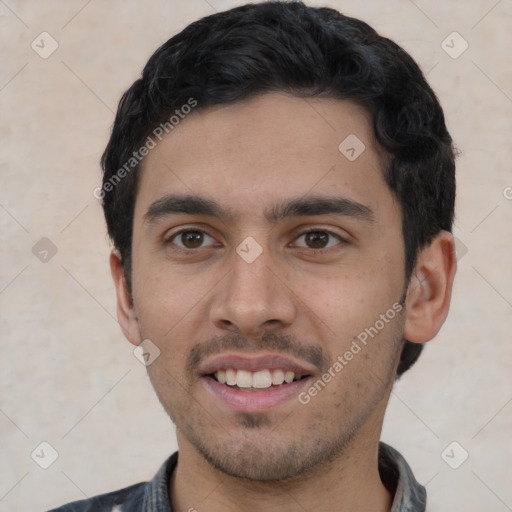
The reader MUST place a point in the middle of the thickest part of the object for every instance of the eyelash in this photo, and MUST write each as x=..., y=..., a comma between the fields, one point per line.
x=169, y=240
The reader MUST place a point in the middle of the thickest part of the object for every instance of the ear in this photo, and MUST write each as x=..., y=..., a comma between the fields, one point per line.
x=126, y=314
x=430, y=289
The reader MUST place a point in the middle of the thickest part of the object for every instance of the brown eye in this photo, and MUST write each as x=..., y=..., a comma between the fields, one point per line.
x=319, y=239
x=189, y=239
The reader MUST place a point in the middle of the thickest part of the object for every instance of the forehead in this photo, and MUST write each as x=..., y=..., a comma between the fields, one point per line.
x=254, y=153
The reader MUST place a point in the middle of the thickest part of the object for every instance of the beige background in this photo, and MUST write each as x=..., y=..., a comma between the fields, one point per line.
x=68, y=376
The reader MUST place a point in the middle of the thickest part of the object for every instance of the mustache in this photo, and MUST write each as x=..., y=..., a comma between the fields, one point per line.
x=283, y=344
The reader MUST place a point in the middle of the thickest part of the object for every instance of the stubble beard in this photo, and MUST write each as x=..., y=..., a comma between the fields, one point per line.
x=260, y=452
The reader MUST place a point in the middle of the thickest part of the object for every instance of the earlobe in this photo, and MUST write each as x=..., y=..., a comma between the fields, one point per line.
x=126, y=314
x=430, y=288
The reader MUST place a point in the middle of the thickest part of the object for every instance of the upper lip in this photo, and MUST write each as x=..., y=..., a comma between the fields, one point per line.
x=254, y=363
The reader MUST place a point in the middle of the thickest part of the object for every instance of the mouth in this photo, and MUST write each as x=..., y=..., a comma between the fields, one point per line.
x=254, y=384
x=255, y=381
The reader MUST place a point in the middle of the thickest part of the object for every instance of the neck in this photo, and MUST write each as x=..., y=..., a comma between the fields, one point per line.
x=350, y=482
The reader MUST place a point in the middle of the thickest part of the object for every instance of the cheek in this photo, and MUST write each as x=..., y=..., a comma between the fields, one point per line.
x=358, y=323
x=164, y=312
x=163, y=296
x=169, y=386
x=350, y=300
x=362, y=372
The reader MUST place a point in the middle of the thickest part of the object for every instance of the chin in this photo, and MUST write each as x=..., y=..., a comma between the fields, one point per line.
x=256, y=464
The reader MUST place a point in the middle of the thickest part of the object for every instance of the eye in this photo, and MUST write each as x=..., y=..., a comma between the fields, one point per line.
x=189, y=239
x=319, y=239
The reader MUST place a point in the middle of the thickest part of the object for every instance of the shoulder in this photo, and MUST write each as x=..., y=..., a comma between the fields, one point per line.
x=133, y=498
x=131, y=495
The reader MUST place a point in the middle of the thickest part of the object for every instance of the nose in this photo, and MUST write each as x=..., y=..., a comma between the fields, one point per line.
x=253, y=297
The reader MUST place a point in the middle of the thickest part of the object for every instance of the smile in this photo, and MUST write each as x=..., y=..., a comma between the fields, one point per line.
x=253, y=383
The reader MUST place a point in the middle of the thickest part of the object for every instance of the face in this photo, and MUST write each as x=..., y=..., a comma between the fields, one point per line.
x=268, y=269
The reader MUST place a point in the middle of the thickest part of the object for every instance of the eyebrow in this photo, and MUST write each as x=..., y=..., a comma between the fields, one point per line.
x=320, y=205
x=187, y=204
x=300, y=207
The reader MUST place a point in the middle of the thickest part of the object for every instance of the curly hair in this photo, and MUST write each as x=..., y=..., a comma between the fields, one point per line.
x=307, y=52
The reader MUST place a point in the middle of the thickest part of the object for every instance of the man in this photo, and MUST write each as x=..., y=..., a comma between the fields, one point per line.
x=279, y=187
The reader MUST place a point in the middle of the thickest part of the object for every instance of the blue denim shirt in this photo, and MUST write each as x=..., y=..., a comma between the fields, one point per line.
x=153, y=496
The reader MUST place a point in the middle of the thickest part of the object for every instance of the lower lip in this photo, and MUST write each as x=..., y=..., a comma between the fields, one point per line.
x=254, y=401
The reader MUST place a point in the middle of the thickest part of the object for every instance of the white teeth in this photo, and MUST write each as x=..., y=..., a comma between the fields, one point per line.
x=244, y=379
x=231, y=377
x=262, y=379
x=221, y=376
x=278, y=377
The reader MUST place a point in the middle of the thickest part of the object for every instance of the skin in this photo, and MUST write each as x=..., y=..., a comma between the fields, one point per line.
x=295, y=298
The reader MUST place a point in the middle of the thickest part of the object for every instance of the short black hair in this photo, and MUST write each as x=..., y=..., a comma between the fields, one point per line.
x=307, y=52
